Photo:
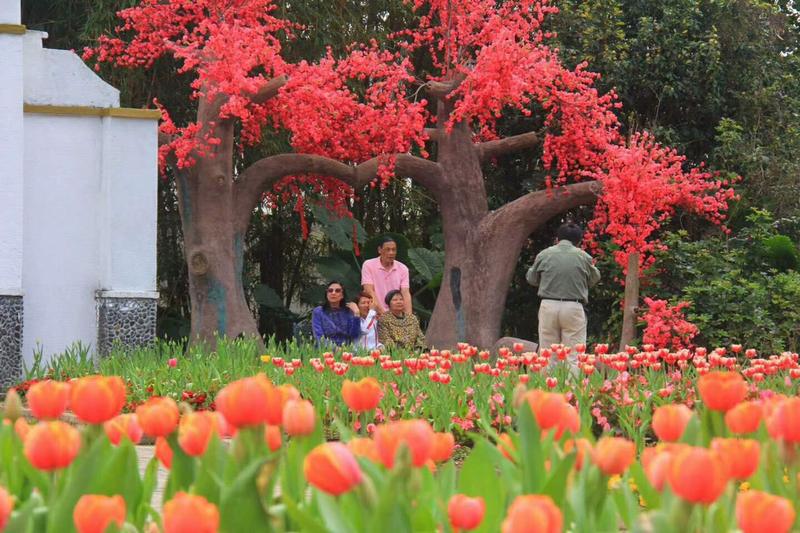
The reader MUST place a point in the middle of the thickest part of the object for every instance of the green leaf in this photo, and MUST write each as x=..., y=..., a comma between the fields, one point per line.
x=182, y=472
x=478, y=477
x=556, y=486
x=242, y=507
x=22, y=519
x=120, y=475
x=336, y=268
x=307, y=521
x=149, y=483
x=530, y=453
x=331, y=511
x=266, y=296
x=427, y=263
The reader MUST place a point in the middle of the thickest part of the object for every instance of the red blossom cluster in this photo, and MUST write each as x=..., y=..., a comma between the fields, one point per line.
x=667, y=325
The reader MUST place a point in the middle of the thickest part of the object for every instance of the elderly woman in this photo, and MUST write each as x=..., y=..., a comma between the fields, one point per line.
x=333, y=321
x=396, y=329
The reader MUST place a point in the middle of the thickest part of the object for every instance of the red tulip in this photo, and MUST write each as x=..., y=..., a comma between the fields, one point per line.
x=613, y=455
x=741, y=456
x=48, y=399
x=299, y=418
x=21, y=428
x=96, y=399
x=744, y=417
x=52, y=445
x=6, y=506
x=273, y=437
x=186, y=513
x=417, y=435
x=123, y=425
x=758, y=512
x=158, y=416
x=698, y=475
x=583, y=449
x=164, y=452
x=465, y=513
x=443, y=446
x=784, y=421
x=362, y=395
x=533, y=513
x=669, y=421
x=332, y=468
x=94, y=513
x=251, y=401
x=195, y=431
x=364, y=447
x=720, y=390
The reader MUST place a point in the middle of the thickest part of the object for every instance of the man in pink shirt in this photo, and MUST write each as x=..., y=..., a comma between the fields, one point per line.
x=383, y=274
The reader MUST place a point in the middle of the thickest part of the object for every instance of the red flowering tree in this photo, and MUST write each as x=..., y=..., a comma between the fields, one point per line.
x=357, y=118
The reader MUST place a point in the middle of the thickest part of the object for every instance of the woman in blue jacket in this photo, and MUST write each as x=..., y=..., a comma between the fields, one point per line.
x=334, y=321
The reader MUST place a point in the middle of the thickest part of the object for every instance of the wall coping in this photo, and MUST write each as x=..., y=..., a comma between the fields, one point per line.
x=150, y=295
x=13, y=29
x=117, y=112
x=11, y=292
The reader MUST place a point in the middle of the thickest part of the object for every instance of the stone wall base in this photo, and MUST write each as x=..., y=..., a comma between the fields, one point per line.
x=125, y=320
x=11, y=309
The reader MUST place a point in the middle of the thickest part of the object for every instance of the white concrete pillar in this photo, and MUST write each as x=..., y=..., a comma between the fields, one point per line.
x=11, y=186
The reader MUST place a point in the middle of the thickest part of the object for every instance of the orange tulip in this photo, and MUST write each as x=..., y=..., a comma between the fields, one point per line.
x=364, y=447
x=195, y=432
x=273, y=437
x=6, y=506
x=465, y=513
x=186, y=513
x=417, y=435
x=362, y=395
x=96, y=399
x=48, y=399
x=332, y=468
x=123, y=425
x=443, y=446
x=164, y=452
x=251, y=401
x=533, y=513
x=758, y=511
x=52, y=445
x=744, y=417
x=669, y=421
x=94, y=513
x=582, y=447
x=299, y=418
x=721, y=390
x=741, y=456
x=698, y=475
x=158, y=416
x=21, y=428
x=613, y=455
x=506, y=446
x=552, y=410
x=656, y=462
x=784, y=421
x=288, y=392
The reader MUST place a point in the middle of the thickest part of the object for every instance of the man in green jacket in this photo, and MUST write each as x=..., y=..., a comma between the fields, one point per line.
x=563, y=273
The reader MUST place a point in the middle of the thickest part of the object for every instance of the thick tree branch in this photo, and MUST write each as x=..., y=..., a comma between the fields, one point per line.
x=264, y=173
x=164, y=138
x=516, y=143
x=270, y=89
x=441, y=89
x=523, y=216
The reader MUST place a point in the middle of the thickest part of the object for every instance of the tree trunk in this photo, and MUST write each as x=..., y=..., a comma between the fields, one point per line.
x=213, y=242
x=631, y=303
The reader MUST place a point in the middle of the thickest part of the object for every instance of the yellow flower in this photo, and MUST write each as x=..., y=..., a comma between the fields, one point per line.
x=744, y=486
x=265, y=358
x=614, y=481
x=632, y=484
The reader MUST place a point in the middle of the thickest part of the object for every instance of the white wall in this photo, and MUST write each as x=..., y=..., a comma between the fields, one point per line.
x=88, y=198
x=11, y=170
x=61, y=254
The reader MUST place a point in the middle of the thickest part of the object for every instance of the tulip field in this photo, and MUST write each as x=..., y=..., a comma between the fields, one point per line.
x=640, y=440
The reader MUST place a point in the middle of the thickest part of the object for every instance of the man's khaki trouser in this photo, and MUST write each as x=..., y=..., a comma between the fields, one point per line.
x=561, y=323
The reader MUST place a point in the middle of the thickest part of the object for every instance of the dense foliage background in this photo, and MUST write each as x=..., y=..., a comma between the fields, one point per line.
x=717, y=79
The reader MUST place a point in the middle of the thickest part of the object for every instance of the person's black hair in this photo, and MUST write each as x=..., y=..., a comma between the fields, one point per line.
x=325, y=304
x=571, y=232
x=391, y=294
x=384, y=239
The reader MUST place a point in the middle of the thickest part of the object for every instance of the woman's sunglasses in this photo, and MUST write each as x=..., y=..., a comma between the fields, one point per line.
x=334, y=289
